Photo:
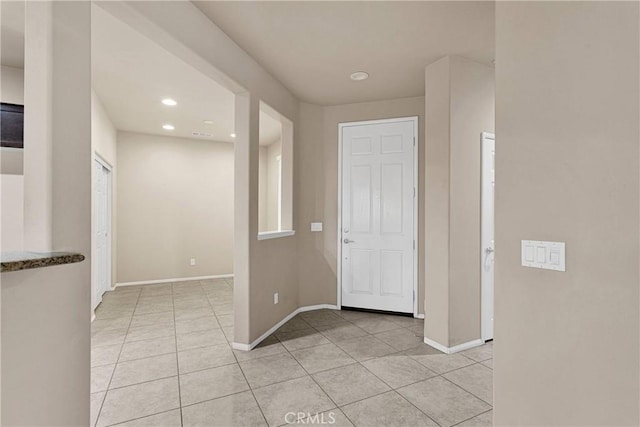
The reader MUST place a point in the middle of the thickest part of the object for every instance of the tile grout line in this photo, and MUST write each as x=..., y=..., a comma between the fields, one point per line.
x=235, y=357
x=464, y=389
x=175, y=328
x=139, y=418
x=290, y=352
x=391, y=389
x=482, y=413
x=395, y=390
x=308, y=374
x=156, y=379
x=144, y=382
x=302, y=367
x=355, y=362
x=117, y=360
x=311, y=376
x=384, y=382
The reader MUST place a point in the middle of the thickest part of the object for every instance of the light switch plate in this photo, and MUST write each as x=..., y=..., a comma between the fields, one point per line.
x=545, y=255
x=316, y=226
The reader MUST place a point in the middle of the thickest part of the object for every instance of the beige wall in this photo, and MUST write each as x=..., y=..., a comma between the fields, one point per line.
x=38, y=126
x=12, y=85
x=12, y=188
x=103, y=144
x=103, y=133
x=316, y=190
x=268, y=186
x=174, y=203
x=12, y=92
x=12, y=181
x=262, y=189
x=45, y=316
x=187, y=33
x=272, y=265
x=437, y=189
x=460, y=105
x=274, y=150
x=567, y=169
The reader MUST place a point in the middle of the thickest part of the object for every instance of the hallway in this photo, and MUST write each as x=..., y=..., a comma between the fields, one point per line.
x=161, y=356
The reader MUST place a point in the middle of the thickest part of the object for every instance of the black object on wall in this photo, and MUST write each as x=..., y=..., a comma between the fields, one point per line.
x=11, y=125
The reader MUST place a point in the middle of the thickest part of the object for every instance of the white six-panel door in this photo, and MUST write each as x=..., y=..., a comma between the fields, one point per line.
x=101, y=221
x=487, y=233
x=377, y=215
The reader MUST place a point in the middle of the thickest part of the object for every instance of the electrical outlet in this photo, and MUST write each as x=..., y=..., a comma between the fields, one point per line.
x=275, y=298
x=193, y=261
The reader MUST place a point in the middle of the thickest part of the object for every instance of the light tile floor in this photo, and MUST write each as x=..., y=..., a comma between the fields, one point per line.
x=161, y=356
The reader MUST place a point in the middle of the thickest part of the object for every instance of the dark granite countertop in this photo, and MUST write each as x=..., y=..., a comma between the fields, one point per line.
x=23, y=260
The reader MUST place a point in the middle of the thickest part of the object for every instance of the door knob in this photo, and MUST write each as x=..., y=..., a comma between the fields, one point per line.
x=348, y=241
x=489, y=250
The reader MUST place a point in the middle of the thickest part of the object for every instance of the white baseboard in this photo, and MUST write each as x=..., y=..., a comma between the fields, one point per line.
x=177, y=279
x=93, y=315
x=419, y=316
x=454, y=349
x=247, y=347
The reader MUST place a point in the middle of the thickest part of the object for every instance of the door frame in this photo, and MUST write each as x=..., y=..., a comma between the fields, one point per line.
x=109, y=168
x=416, y=203
x=484, y=292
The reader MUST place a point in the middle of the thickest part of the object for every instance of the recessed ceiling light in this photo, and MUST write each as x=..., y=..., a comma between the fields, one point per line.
x=207, y=122
x=359, y=75
x=233, y=135
x=170, y=102
x=168, y=127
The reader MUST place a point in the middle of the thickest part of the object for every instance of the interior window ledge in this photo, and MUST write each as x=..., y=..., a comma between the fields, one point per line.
x=266, y=235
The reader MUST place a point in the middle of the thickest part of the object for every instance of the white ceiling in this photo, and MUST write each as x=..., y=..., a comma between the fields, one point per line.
x=12, y=47
x=132, y=74
x=313, y=47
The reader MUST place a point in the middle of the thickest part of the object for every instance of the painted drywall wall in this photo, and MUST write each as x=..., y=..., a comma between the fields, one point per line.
x=567, y=169
x=460, y=104
x=103, y=133
x=38, y=126
x=12, y=161
x=104, y=142
x=262, y=189
x=316, y=197
x=45, y=318
x=174, y=203
x=437, y=188
x=268, y=186
x=274, y=152
x=12, y=85
x=189, y=34
x=12, y=181
x=12, y=188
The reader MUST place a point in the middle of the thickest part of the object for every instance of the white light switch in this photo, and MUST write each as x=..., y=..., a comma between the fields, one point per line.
x=316, y=226
x=528, y=253
x=545, y=255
